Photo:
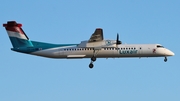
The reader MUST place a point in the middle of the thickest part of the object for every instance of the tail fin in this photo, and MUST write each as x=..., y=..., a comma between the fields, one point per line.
x=16, y=34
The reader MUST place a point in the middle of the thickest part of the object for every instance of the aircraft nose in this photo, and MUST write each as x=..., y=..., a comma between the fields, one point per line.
x=169, y=53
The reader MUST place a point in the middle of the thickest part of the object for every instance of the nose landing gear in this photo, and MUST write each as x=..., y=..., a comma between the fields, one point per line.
x=165, y=59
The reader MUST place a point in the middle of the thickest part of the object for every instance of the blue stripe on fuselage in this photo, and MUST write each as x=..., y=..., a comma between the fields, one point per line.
x=39, y=46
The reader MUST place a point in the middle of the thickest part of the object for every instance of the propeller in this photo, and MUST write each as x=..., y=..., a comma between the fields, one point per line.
x=118, y=42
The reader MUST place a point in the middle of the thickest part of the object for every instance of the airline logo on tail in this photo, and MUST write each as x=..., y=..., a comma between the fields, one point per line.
x=16, y=34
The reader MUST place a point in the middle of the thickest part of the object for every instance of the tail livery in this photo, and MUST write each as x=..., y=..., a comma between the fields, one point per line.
x=16, y=34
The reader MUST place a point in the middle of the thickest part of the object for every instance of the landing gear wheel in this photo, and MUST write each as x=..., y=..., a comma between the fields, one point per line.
x=91, y=65
x=93, y=58
x=165, y=59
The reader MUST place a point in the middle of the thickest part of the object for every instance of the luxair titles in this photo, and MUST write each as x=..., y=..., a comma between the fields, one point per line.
x=128, y=51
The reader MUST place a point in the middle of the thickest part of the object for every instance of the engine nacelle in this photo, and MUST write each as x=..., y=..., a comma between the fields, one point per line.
x=103, y=43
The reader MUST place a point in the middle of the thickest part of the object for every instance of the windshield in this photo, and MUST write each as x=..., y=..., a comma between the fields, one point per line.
x=159, y=46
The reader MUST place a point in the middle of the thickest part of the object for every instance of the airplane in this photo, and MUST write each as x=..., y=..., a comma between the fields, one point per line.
x=95, y=47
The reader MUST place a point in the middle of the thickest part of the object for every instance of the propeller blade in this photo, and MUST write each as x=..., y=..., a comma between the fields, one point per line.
x=117, y=37
x=117, y=40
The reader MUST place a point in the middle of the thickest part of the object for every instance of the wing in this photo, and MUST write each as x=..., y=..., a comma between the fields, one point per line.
x=97, y=35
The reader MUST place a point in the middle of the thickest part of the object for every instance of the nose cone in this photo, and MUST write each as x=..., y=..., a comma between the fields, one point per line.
x=169, y=53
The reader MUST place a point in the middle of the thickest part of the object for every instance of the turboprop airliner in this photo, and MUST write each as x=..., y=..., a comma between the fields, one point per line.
x=95, y=47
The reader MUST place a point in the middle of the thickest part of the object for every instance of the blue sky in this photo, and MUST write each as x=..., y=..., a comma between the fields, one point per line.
x=31, y=78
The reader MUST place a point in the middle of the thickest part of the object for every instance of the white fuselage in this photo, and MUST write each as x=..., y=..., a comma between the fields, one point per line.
x=112, y=51
x=95, y=47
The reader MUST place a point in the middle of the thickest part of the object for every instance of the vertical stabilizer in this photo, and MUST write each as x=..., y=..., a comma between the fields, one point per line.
x=16, y=34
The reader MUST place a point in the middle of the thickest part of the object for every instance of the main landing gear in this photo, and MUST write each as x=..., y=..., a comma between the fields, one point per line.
x=93, y=59
x=165, y=59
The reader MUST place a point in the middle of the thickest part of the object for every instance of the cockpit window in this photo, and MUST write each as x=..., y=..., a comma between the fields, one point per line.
x=159, y=46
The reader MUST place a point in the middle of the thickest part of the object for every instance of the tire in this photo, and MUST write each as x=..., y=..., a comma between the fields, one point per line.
x=91, y=65
x=93, y=58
